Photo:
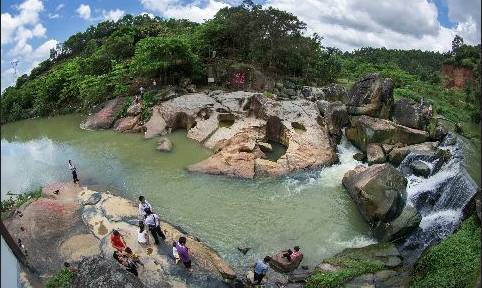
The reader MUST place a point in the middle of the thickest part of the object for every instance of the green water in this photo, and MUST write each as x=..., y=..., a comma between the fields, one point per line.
x=309, y=209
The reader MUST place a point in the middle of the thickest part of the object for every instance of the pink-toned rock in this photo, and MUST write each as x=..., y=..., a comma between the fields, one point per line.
x=104, y=119
x=126, y=124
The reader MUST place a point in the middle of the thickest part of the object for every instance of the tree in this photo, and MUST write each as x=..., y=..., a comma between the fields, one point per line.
x=457, y=43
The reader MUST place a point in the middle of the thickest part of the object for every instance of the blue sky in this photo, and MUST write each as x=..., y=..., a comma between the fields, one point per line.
x=31, y=27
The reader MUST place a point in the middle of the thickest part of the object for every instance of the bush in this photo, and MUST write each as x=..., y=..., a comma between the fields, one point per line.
x=19, y=200
x=62, y=279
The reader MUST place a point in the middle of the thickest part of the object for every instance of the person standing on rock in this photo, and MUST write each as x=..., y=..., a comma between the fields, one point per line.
x=260, y=269
x=74, y=172
x=142, y=236
x=153, y=222
x=183, y=252
x=143, y=205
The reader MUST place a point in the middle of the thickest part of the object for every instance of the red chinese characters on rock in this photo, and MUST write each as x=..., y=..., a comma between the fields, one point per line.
x=238, y=79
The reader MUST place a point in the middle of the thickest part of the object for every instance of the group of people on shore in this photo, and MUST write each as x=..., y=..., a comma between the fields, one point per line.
x=148, y=221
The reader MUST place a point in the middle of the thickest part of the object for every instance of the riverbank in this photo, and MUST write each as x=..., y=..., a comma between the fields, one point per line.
x=76, y=222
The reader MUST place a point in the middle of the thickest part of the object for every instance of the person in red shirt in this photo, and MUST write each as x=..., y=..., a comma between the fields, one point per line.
x=292, y=255
x=117, y=241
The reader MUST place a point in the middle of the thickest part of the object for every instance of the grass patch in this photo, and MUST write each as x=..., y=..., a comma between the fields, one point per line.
x=62, y=279
x=455, y=262
x=351, y=267
x=18, y=200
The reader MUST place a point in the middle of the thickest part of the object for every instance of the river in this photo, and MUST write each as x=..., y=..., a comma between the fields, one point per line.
x=309, y=209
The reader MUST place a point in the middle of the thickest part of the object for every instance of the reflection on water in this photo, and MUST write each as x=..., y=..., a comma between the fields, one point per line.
x=308, y=209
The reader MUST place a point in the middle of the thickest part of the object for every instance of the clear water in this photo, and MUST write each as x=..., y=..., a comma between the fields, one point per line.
x=309, y=209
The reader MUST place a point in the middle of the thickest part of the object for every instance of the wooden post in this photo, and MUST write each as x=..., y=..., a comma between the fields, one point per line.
x=14, y=247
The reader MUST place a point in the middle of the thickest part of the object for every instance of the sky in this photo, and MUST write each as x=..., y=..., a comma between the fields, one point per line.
x=30, y=28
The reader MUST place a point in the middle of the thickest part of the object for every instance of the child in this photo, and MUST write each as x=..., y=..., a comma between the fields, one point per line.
x=183, y=252
x=174, y=252
x=133, y=256
x=142, y=235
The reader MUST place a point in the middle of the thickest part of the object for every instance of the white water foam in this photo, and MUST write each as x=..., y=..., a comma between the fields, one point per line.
x=442, y=218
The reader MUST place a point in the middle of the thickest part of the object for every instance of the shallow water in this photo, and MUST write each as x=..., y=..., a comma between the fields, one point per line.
x=310, y=209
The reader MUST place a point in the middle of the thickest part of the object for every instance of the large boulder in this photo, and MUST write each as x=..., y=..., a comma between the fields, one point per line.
x=408, y=113
x=135, y=109
x=378, y=190
x=127, y=124
x=156, y=124
x=397, y=154
x=104, y=119
x=372, y=95
x=102, y=272
x=331, y=93
x=364, y=130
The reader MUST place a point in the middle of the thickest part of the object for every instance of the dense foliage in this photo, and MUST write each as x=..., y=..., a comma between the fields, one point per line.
x=19, y=200
x=115, y=58
x=455, y=262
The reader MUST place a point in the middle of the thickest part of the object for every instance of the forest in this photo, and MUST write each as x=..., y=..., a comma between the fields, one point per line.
x=112, y=59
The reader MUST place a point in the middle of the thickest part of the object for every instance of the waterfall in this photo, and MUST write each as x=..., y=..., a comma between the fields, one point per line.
x=440, y=198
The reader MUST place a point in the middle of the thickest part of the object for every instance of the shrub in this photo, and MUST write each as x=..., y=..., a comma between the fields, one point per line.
x=62, y=279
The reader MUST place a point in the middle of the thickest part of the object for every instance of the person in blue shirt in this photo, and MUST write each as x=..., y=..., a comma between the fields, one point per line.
x=260, y=269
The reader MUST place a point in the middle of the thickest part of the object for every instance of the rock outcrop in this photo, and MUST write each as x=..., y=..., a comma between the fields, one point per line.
x=237, y=125
x=376, y=265
x=397, y=154
x=364, y=130
x=378, y=190
x=128, y=124
x=372, y=96
x=405, y=223
x=375, y=154
x=335, y=117
x=281, y=264
x=104, y=119
x=330, y=93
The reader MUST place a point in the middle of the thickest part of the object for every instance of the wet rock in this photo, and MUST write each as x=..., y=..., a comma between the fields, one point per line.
x=134, y=109
x=359, y=156
x=365, y=130
x=378, y=190
x=420, y=168
x=439, y=132
x=156, y=125
x=104, y=119
x=93, y=199
x=375, y=154
x=164, y=145
x=411, y=114
x=372, y=96
x=103, y=272
x=281, y=264
x=298, y=276
x=459, y=128
x=335, y=117
x=397, y=155
x=126, y=124
x=405, y=223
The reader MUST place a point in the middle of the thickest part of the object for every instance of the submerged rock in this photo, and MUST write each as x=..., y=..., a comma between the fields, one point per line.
x=372, y=96
x=104, y=119
x=164, y=145
x=365, y=130
x=378, y=190
x=359, y=156
x=420, y=168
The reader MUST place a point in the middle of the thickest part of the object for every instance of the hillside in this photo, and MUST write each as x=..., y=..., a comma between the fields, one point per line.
x=114, y=59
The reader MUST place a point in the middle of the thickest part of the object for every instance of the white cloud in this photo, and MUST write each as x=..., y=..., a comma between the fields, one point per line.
x=28, y=16
x=59, y=7
x=351, y=24
x=467, y=14
x=195, y=11
x=113, y=15
x=84, y=11
x=53, y=16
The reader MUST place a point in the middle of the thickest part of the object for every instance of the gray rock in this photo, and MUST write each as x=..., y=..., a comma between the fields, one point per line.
x=372, y=95
x=375, y=154
x=265, y=147
x=378, y=190
x=359, y=156
x=134, y=109
x=420, y=168
x=103, y=273
x=408, y=220
x=409, y=113
x=164, y=145
x=93, y=199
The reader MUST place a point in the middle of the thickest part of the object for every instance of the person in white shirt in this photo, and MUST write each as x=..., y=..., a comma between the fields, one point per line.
x=142, y=235
x=154, y=224
x=175, y=255
x=71, y=166
x=143, y=205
